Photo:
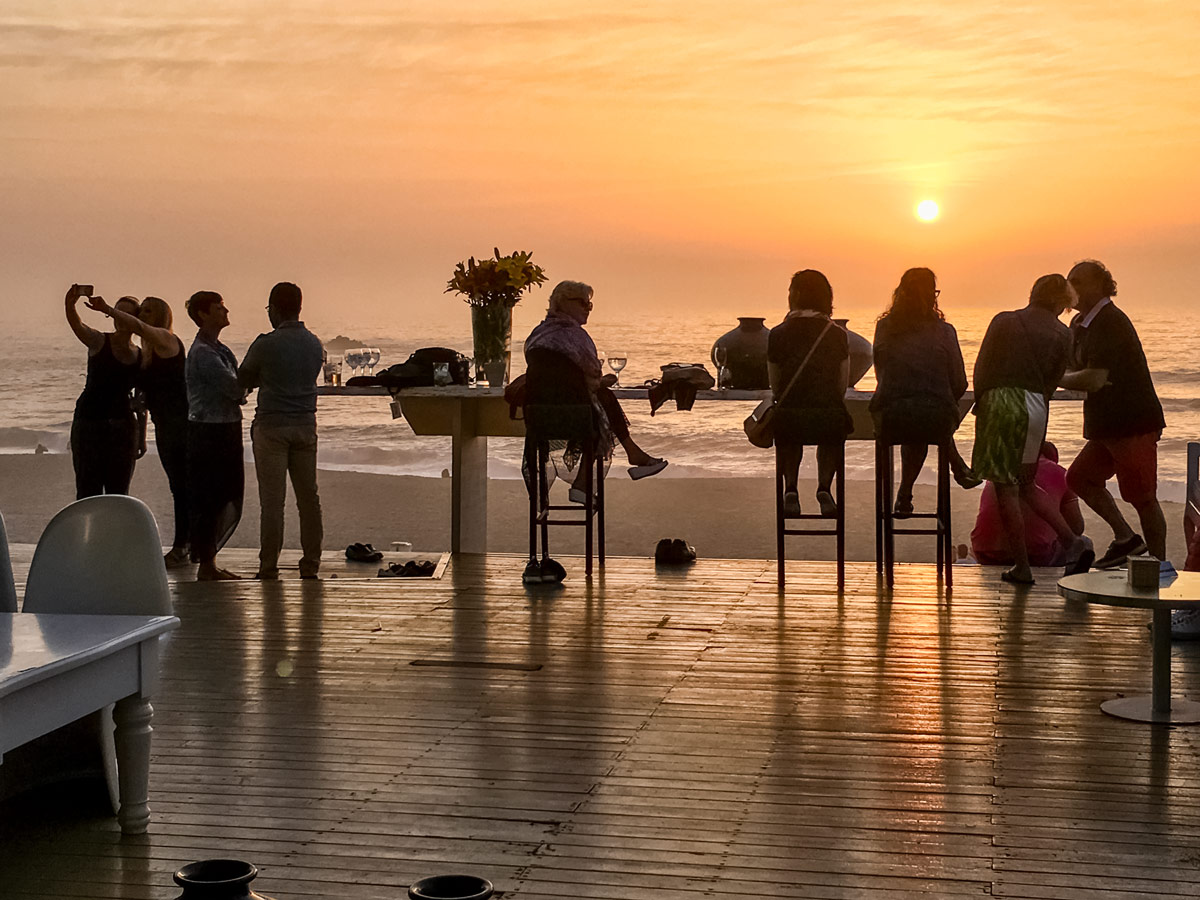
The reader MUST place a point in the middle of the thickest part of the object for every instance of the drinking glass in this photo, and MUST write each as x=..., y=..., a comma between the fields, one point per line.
x=616, y=362
x=441, y=374
x=372, y=360
x=721, y=354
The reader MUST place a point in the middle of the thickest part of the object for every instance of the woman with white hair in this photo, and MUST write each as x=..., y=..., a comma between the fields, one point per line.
x=568, y=371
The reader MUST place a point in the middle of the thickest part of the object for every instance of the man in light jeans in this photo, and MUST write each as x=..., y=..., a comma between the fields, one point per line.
x=284, y=364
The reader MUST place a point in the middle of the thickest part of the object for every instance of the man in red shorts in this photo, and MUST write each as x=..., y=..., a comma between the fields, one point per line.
x=1122, y=418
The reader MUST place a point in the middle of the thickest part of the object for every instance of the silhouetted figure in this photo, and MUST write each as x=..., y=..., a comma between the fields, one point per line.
x=920, y=377
x=1122, y=418
x=284, y=364
x=163, y=383
x=569, y=371
x=1021, y=360
x=813, y=409
x=216, y=475
x=104, y=430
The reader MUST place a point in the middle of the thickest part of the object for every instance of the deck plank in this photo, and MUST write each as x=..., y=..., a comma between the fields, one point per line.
x=685, y=735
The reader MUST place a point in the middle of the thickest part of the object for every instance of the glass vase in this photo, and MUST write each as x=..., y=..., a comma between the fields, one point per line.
x=491, y=330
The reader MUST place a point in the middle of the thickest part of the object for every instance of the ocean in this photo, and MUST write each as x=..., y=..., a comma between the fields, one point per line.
x=358, y=433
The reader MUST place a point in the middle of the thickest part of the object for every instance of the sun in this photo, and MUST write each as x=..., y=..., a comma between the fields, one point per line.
x=927, y=210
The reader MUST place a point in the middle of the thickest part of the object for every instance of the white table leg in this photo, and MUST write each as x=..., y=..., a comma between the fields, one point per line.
x=468, y=483
x=132, y=719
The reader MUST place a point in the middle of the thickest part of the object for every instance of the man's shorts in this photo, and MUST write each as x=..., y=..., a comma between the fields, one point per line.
x=1010, y=426
x=1134, y=460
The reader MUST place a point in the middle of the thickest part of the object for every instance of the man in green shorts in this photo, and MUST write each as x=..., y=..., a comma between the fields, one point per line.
x=1020, y=362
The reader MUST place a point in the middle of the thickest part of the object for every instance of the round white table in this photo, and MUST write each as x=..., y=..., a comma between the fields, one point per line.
x=1112, y=588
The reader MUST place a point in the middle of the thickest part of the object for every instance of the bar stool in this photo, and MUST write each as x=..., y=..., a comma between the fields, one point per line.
x=839, y=521
x=573, y=422
x=885, y=518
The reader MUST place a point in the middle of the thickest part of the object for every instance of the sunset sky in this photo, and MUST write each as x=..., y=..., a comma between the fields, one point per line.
x=673, y=154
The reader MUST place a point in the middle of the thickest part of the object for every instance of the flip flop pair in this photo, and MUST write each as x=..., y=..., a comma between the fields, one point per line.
x=423, y=568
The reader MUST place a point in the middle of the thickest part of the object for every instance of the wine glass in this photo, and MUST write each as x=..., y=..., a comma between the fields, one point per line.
x=372, y=359
x=721, y=355
x=353, y=359
x=616, y=362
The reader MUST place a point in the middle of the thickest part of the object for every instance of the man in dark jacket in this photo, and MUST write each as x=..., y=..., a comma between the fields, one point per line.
x=1122, y=418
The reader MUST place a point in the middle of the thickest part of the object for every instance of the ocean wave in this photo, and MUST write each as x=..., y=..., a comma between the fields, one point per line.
x=54, y=438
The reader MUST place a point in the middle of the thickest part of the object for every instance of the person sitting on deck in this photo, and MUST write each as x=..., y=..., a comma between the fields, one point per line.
x=1042, y=543
x=564, y=368
x=813, y=410
x=921, y=376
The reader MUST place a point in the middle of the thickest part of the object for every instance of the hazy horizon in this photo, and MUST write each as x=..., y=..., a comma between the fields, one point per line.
x=673, y=156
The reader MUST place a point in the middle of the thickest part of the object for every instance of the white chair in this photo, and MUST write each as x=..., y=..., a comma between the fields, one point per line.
x=100, y=556
x=8, y=588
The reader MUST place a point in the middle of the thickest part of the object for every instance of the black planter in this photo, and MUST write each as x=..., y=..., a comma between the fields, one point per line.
x=746, y=354
x=451, y=887
x=218, y=879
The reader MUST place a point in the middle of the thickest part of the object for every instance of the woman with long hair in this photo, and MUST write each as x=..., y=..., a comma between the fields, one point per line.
x=164, y=386
x=104, y=429
x=920, y=377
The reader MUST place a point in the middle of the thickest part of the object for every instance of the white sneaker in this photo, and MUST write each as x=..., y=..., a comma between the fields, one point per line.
x=1185, y=624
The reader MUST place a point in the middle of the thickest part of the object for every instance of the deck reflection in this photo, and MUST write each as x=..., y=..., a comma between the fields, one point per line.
x=648, y=733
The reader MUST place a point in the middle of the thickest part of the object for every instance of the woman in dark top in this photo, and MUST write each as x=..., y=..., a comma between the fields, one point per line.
x=920, y=377
x=103, y=429
x=813, y=409
x=164, y=388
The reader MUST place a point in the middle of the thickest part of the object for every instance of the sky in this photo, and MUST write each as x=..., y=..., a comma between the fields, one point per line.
x=676, y=155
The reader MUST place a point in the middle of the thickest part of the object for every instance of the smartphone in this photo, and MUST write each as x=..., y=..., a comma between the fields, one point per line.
x=85, y=290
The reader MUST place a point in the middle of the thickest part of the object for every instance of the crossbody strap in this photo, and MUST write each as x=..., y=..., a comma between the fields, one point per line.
x=808, y=356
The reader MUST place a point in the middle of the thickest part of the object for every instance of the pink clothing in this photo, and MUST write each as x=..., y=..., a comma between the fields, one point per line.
x=988, y=543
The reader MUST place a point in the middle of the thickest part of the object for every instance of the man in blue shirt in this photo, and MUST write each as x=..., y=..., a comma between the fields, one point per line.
x=283, y=365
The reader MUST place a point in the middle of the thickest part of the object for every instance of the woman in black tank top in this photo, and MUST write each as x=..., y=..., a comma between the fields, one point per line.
x=103, y=430
x=164, y=387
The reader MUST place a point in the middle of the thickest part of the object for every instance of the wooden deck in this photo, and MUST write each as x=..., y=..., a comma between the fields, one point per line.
x=650, y=734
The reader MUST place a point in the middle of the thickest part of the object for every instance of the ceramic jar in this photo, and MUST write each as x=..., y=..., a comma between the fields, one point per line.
x=862, y=354
x=218, y=879
x=451, y=887
x=746, y=354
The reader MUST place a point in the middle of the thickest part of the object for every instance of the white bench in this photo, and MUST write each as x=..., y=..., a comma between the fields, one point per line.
x=56, y=668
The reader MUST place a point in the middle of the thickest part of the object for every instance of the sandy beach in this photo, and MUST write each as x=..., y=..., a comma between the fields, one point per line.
x=721, y=517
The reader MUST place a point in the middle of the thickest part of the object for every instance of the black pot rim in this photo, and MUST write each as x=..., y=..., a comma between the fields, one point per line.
x=236, y=871
x=482, y=887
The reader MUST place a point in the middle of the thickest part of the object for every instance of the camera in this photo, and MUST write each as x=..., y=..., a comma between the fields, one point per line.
x=84, y=290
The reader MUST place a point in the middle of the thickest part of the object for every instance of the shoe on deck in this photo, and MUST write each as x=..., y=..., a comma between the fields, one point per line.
x=1185, y=624
x=1119, y=551
x=176, y=557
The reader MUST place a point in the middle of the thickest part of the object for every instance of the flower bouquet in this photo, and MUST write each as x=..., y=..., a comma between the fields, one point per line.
x=493, y=287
